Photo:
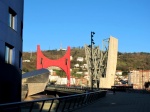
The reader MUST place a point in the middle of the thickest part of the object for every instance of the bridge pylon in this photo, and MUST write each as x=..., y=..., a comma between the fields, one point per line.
x=102, y=63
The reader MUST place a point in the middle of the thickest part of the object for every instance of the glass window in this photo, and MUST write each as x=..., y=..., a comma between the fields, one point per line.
x=8, y=54
x=12, y=19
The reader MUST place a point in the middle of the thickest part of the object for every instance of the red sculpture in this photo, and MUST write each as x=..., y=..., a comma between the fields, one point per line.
x=63, y=63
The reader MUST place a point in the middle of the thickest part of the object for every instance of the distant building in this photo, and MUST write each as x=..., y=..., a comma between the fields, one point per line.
x=61, y=49
x=87, y=77
x=118, y=72
x=80, y=59
x=76, y=65
x=84, y=66
x=83, y=82
x=138, y=78
x=86, y=73
x=53, y=78
x=63, y=81
x=79, y=72
x=26, y=61
x=71, y=58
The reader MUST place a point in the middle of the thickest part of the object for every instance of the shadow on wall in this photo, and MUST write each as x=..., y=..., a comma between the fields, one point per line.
x=10, y=83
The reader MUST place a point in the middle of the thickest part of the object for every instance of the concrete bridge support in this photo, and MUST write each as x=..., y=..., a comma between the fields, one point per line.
x=108, y=81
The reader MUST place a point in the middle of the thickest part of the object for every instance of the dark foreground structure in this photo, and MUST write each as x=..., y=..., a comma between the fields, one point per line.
x=10, y=83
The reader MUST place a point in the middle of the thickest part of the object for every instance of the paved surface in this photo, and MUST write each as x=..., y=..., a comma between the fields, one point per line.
x=120, y=102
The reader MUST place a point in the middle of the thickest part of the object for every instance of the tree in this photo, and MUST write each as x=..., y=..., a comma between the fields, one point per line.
x=60, y=73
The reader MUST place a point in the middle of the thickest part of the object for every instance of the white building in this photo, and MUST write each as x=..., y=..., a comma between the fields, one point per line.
x=79, y=72
x=80, y=59
x=71, y=58
x=63, y=81
x=118, y=72
x=53, y=78
x=26, y=61
x=76, y=65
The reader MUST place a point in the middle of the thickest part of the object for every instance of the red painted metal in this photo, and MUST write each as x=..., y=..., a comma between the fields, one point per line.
x=63, y=63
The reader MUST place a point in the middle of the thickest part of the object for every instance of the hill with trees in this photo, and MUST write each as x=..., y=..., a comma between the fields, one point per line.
x=125, y=61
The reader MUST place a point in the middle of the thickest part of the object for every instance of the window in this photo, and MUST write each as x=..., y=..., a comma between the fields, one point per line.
x=8, y=53
x=12, y=19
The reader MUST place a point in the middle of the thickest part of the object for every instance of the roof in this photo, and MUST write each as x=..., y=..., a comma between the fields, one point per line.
x=35, y=72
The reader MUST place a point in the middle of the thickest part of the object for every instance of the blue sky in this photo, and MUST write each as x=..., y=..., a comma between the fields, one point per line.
x=51, y=23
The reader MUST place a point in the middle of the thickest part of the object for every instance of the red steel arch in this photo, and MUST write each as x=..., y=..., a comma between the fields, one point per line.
x=63, y=63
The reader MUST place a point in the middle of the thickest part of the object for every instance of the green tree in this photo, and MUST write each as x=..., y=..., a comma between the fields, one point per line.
x=60, y=73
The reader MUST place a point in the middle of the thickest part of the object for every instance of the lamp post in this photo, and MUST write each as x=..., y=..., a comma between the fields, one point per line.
x=92, y=43
x=142, y=77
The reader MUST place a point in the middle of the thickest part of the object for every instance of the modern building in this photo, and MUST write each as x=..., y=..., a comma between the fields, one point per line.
x=11, y=32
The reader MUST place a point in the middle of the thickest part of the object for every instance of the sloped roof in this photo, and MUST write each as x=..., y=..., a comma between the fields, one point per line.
x=35, y=72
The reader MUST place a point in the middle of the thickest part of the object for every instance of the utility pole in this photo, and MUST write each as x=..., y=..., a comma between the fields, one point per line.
x=92, y=66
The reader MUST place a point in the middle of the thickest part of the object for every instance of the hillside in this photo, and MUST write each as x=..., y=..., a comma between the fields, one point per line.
x=125, y=61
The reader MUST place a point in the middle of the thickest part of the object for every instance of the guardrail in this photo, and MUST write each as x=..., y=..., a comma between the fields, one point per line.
x=82, y=89
x=61, y=104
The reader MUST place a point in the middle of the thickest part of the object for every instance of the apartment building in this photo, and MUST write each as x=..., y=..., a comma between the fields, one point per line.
x=138, y=78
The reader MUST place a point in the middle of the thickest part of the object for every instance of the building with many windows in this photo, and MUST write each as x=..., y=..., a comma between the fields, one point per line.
x=11, y=31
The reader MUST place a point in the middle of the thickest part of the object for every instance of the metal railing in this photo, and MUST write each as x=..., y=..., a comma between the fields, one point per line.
x=61, y=104
x=76, y=88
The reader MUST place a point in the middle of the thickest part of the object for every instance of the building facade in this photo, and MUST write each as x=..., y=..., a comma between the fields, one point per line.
x=138, y=78
x=11, y=32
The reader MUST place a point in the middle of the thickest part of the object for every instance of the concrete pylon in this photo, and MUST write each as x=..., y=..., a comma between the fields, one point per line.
x=108, y=81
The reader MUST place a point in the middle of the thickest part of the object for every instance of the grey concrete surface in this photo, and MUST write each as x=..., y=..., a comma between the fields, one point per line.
x=120, y=102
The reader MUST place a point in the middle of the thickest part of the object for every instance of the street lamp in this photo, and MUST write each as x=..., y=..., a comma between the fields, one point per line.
x=142, y=77
x=92, y=43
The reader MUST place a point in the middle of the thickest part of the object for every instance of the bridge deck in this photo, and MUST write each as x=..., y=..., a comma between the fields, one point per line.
x=120, y=102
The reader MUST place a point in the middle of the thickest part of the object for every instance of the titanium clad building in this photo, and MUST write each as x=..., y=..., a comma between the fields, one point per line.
x=11, y=31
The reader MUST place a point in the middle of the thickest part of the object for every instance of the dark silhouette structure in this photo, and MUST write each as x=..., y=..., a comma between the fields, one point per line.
x=10, y=83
